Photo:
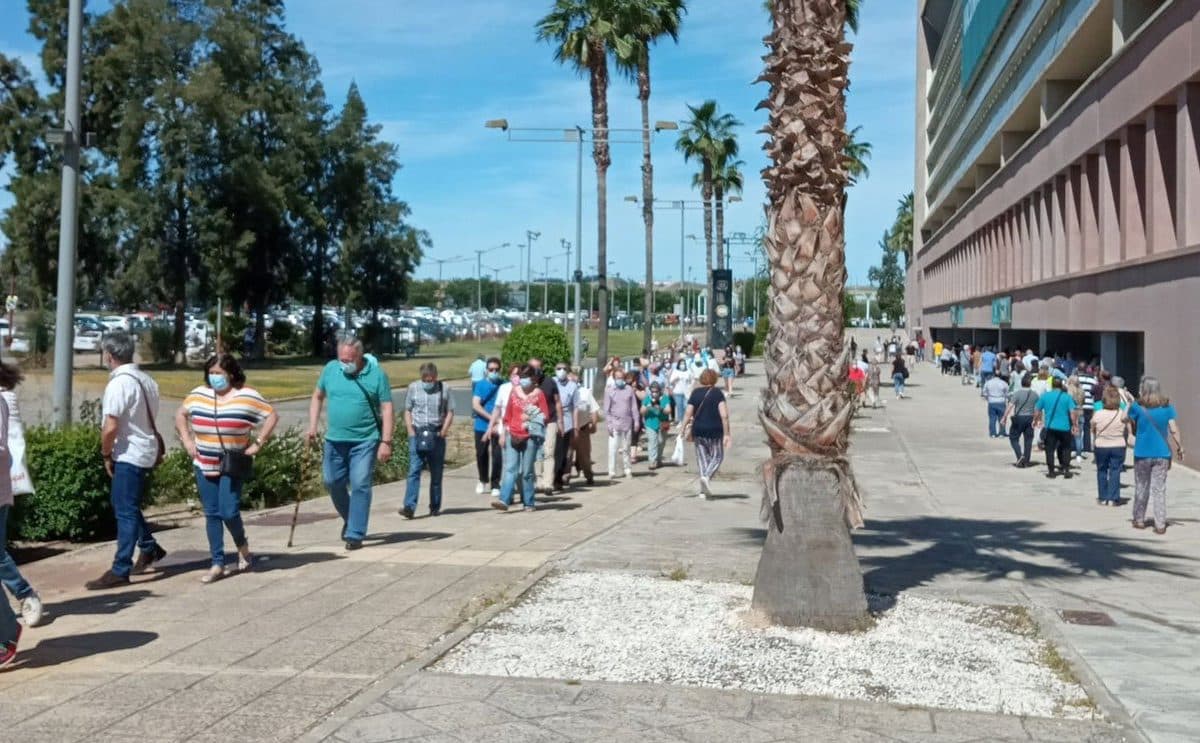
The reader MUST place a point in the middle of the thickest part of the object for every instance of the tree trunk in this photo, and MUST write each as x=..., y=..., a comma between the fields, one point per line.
x=706, y=194
x=719, y=207
x=600, y=153
x=808, y=573
x=647, y=201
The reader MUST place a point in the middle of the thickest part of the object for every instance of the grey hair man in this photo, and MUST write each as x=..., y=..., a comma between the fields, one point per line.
x=428, y=417
x=131, y=447
x=359, y=426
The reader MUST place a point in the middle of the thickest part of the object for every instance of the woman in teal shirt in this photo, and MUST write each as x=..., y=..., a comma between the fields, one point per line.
x=1158, y=442
x=1056, y=410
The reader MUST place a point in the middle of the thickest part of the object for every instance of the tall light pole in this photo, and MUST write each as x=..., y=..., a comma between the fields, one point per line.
x=64, y=321
x=566, y=244
x=496, y=282
x=530, y=236
x=479, y=274
x=442, y=262
x=546, y=286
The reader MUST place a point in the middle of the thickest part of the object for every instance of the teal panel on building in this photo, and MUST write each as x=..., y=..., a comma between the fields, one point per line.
x=981, y=21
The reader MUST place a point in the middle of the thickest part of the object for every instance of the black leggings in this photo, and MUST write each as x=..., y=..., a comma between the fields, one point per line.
x=488, y=459
x=1021, y=427
x=1060, y=442
x=562, y=459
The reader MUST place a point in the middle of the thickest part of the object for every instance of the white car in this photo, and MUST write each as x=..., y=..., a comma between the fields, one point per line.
x=89, y=331
x=115, y=322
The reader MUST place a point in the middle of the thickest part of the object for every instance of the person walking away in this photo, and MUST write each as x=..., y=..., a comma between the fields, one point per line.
x=656, y=416
x=899, y=377
x=359, y=432
x=706, y=424
x=977, y=366
x=10, y=630
x=525, y=416
x=428, y=417
x=728, y=371
x=10, y=575
x=131, y=447
x=681, y=386
x=859, y=379
x=215, y=424
x=549, y=388
x=586, y=411
x=1158, y=443
x=1022, y=406
x=620, y=412
x=1109, y=427
x=995, y=392
x=488, y=460
x=1088, y=383
x=938, y=347
x=567, y=393
x=964, y=363
x=1057, y=411
x=478, y=369
x=1076, y=393
x=874, y=372
x=987, y=365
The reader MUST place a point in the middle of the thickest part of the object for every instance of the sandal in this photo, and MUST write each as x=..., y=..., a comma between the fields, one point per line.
x=1139, y=524
x=245, y=563
x=1160, y=531
x=214, y=574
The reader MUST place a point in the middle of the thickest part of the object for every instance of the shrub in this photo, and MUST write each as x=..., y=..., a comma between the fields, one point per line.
x=545, y=341
x=395, y=468
x=72, y=498
x=746, y=340
x=172, y=481
x=233, y=328
x=162, y=343
x=761, y=326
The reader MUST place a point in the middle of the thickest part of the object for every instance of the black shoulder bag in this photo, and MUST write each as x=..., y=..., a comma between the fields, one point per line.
x=236, y=465
x=427, y=436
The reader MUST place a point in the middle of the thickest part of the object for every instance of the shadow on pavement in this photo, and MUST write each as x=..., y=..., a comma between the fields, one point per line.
x=398, y=537
x=58, y=650
x=453, y=511
x=729, y=496
x=992, y=549
x=94, y=603
x=558, y=506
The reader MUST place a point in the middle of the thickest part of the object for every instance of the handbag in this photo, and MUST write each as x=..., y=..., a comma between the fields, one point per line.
x=427, y=436
x=158, y=439
x=236, y=465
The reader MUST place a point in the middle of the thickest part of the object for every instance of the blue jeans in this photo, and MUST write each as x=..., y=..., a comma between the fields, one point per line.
x=680, y=407
x=1109, y=460
x=8, y=620
x=10, y=576
x=519, y=464
x=220, y=497
x=417, y=462
x=128, y=484
x=898, y=384
x=348, y=470
x=995, y=413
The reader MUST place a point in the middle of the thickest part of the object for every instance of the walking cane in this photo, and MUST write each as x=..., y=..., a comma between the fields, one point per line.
x=305, y=457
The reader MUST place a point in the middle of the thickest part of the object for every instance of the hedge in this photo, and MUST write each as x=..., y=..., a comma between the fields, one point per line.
x=545, y=341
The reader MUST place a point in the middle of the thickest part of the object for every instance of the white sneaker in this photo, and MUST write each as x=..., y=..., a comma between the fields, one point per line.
x=480, y=488
x=704, y=489
x=495, y=492
x=31, y=610
x=628, y=474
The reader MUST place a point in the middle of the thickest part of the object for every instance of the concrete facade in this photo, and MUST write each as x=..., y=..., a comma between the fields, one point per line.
x=1065, y=175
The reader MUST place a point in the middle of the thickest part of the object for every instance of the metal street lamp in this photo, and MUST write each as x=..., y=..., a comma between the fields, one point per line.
x=566, y=244
x=479, y=274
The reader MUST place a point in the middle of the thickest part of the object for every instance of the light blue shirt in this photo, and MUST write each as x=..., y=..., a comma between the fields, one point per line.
x=477, y=370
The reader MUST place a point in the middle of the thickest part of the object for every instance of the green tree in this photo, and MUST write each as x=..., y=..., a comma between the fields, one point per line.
x=889, y=278
x=727, y=181
x=708, y=138
x=646, y=21
x=584, y=33
x=900, y=237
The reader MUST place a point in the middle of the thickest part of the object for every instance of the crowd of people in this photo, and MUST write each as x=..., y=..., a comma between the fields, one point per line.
x=523, y=418
x=1071, y=412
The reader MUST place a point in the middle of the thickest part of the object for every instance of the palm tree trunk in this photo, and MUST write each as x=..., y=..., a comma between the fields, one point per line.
x=600, y=153
x=808, y=574
x=706, y=194
x=643, y=76
x=719, y=206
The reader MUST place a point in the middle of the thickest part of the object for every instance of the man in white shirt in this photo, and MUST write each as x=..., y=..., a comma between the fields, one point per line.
x=129, y=443
x=585, y=425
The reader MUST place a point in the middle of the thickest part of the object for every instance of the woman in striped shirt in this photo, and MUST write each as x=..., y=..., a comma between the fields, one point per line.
x=220, y=416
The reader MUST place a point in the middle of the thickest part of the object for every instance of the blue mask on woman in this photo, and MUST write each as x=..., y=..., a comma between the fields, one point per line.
x=526, y=383
x=620, y=384
x=218, y=382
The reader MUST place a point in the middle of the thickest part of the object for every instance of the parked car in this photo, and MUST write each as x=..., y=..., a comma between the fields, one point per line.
x=89, y=331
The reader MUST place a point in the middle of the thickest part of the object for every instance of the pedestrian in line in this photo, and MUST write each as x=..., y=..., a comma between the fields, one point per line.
x=995, y=393
x=131, y=447
x=1076, y=392
x=706, y=423
x=728, y=370
x=656, y=416
x=567, y=393
x=1022, y=406
x=1110, y=426
x=964, y=364
x=1057, y=411
x=10, y=575
x=525, y=416
x=478, y=369
x=1158, y=443
x=899, y=376
x=496, y=428
x=586, y=411
x=681, y=386
x=920, y=347
x=1088, y=383
x=489, y=460
x=359, y=431
x=874, y=374
x=938, y=347
x=215, y=424
x=554, y=424
x=10, y=630
x=987, y=365
x=620, y=414
x=428, y=417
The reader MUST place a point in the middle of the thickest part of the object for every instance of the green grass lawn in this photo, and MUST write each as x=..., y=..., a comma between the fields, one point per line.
x=295, y=376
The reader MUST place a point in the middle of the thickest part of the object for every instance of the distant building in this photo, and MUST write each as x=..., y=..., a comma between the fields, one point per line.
x=1057, y=200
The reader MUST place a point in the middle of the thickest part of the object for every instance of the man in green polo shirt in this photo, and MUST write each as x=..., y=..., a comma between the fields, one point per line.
x=360, y=427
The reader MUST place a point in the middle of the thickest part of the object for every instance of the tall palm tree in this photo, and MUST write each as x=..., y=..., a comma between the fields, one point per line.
x=646, y=21
x=901, y=236
x=584, y=33
x=727, y=181
x=852, y=8
x=705, y=137
x=855, y=154
x=808, y=574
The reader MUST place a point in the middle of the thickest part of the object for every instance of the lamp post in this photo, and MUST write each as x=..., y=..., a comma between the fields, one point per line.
x=479, y=274
x=442, y=262
x=546, y=286
x=496, y=282
x=566, y=244
x=530, y=236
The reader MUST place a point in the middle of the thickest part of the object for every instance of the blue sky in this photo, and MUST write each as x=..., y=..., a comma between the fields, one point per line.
x=432, y=72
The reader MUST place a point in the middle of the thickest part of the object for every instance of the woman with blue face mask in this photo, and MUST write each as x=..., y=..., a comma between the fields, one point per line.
x=217, y=419
x=525, y=414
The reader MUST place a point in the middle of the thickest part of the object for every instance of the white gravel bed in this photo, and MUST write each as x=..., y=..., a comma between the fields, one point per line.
x=608, y=626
